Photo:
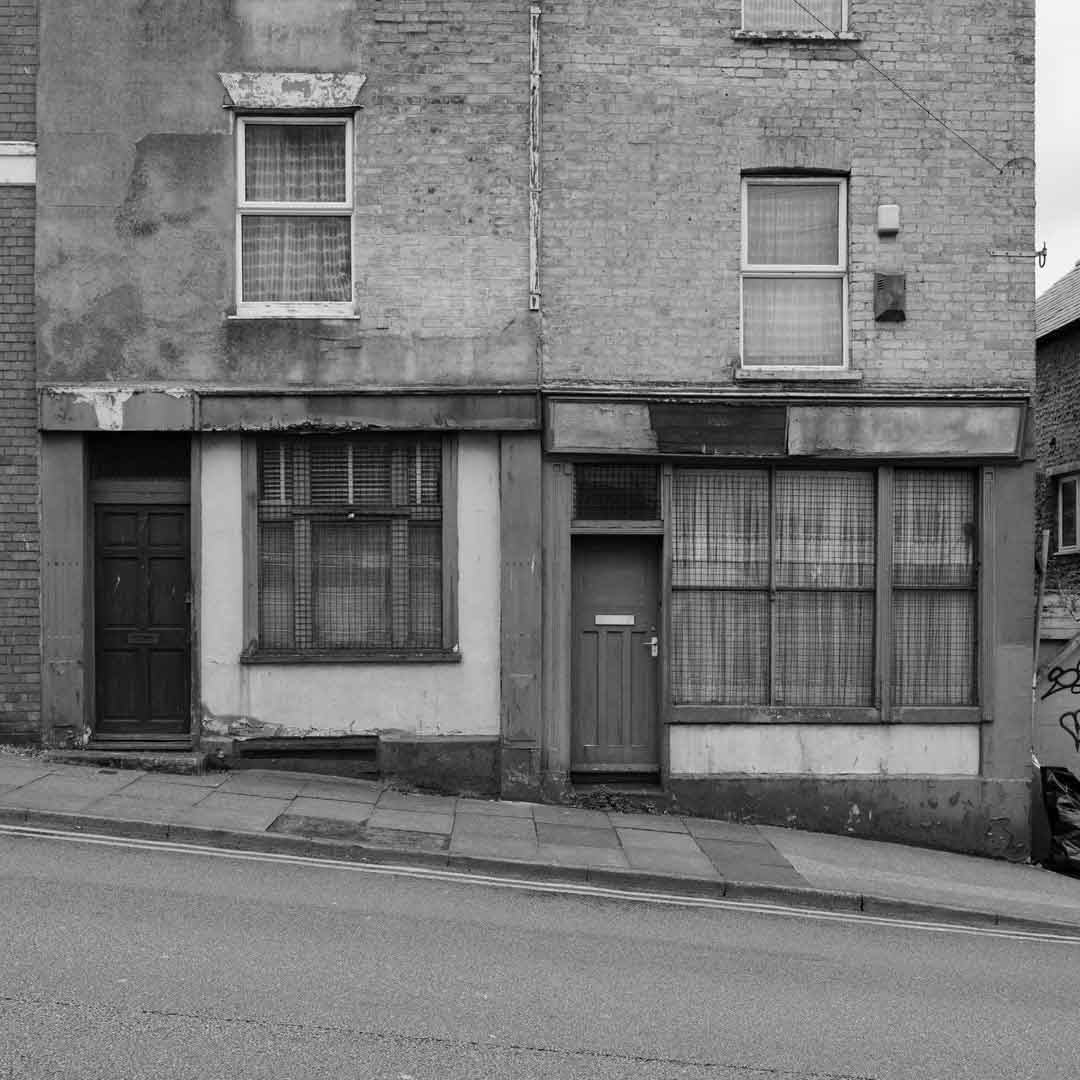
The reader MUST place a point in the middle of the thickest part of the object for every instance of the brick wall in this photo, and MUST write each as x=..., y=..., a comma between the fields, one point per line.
x=18, y=68
x=19, y=549
x=1057, y=442
x=20, y=672
x=652, y=112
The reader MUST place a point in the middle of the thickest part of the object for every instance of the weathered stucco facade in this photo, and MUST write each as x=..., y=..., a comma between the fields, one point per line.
x=561, y=456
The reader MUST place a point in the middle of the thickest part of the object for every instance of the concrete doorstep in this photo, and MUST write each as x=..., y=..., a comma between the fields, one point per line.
x=365, y=821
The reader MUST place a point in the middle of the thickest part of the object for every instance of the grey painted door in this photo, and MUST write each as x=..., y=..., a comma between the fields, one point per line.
x=615, y=662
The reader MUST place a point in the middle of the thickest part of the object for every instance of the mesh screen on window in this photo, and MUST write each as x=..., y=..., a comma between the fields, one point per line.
x=934, y=596
x=616, y=492
x=350, y=543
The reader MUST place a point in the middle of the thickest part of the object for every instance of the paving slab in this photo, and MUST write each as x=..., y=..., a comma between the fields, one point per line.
x=497, y=847
x=64, y=793
x=366, y=791
x=683, y=843
x=571, y=815
x=480, y=807
x=265, y=782
x=762, y=874
x=155, y=788
x=662, y=823
x=226, y=810
x=657, y=860
x=725, y=830
x=203, y=780
x=573, y=855
x=123, y=807
x=503, y=828
x=405, y=840
x=319, y=828
x=17, y=773
x=573, y=836
x=411, y=821
x=724, y=853
x=400, y=800
x=330, y=809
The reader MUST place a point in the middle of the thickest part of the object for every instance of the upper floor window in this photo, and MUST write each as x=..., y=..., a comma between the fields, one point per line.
x=294, y=215
x=794, y=272
x=813, y=15
x=1068, y=537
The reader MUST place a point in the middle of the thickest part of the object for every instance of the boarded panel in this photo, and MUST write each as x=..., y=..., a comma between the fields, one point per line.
x=910, y=431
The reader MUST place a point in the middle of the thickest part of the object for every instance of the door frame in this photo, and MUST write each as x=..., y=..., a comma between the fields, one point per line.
x=650, y=540
x=149, y=491
x=559, y=529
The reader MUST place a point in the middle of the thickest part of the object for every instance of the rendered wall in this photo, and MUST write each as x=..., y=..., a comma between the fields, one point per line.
x=348, y=698
x=651, y=112
x=137, y=189
x=824, y=750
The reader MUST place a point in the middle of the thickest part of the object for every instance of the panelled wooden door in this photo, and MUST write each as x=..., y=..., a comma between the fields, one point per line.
x=142, y=624
x=615, y=654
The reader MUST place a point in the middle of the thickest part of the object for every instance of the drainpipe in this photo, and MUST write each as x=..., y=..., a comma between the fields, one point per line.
x=534, y=157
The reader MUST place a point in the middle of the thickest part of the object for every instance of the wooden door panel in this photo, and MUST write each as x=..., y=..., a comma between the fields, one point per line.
x=168, y=529
x=167, y=593
x=142, y=651
x=119, y=594
x=168, y=685
x=120, y=684
x=614, y=680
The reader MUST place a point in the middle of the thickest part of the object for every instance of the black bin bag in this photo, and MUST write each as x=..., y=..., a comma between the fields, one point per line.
x=1061, y=794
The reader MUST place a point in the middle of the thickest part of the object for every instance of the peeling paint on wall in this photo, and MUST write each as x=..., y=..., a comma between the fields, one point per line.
x=108, y=406
x=292, y=89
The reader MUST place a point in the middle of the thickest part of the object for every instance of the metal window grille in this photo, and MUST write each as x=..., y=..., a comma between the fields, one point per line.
x=934, y=596
x=350, y=543
x=773, y=586
x=616, y=492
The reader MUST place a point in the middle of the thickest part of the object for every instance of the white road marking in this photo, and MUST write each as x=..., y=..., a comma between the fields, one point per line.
x=562, y=888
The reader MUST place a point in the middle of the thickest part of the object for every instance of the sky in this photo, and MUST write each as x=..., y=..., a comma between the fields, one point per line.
x=1057, y=137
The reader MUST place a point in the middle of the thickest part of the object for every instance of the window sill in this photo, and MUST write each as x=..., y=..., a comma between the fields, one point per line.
x=291, y=315
x=823, y=714
x=352, y=656
x=795, y=374
x=812, y=37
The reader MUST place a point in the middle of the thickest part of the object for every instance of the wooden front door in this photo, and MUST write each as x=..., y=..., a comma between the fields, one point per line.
x=615, y=659
x=141, y=614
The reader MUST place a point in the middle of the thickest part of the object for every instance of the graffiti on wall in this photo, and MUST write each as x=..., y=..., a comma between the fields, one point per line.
x=1066, y=680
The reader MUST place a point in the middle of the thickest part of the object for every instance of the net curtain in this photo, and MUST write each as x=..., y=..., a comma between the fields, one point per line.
x=295, y=257
x=793, y=320
x=787, y=15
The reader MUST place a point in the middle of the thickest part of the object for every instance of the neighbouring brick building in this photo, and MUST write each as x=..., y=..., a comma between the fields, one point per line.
x=539, y=395
x=1057, y=447
x=20, y=631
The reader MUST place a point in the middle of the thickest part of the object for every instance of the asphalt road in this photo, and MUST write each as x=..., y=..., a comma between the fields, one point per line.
x=120, y=962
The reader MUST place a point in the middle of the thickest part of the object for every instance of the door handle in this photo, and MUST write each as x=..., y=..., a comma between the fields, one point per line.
x=653, y=645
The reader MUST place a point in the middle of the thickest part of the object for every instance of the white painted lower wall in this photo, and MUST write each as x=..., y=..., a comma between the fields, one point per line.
x=342, y=698
x=824, y=750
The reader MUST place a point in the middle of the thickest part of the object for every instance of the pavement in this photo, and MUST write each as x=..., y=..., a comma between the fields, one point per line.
x=369, y=821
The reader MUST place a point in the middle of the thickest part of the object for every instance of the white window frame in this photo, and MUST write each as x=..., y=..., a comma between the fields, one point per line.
x=837, y=271
x=1073, y=480
x=244, y=206
x=816, y=29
